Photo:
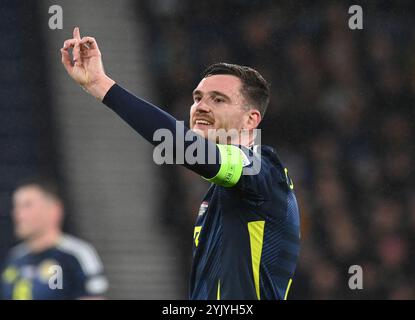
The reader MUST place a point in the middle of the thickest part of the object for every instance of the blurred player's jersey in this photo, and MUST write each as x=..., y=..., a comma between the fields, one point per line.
x=247, y=237
x=70, y=270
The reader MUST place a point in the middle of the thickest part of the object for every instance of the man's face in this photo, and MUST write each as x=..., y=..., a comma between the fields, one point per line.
x=218, y=104
x=32, y=212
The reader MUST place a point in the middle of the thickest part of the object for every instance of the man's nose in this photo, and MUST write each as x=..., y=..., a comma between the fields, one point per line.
x=203, y=107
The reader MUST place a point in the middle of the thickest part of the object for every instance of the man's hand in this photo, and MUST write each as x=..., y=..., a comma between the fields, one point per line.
x=86, y=67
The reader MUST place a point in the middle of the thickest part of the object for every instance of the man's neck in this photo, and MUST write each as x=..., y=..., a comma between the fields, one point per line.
x=247, y=143
x=44, y=241
x=247, y=138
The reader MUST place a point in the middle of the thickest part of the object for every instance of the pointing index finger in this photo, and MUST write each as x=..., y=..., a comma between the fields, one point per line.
x=76, y=33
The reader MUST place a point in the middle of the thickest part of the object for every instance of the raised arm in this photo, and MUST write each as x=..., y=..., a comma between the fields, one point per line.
x=86, y=68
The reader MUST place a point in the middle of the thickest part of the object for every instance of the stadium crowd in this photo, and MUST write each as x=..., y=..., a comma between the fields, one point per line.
x=341, y=118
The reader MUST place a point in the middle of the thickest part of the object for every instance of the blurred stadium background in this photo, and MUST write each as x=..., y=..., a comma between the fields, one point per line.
x=341, y=116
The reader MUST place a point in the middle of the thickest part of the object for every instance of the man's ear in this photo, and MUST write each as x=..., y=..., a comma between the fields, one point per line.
x=58, y=210
x=254, y=118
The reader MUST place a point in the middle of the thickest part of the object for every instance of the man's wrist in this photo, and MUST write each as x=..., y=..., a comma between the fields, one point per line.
x=99, y=88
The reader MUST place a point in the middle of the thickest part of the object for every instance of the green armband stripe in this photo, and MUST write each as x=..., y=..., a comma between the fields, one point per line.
x=230, y=168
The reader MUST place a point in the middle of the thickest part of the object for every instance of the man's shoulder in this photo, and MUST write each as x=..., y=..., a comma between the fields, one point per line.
x=90, y=270
x=18, y=252
x=263, y=152
x=264, y=175
x=82, y=251
x=264, y=155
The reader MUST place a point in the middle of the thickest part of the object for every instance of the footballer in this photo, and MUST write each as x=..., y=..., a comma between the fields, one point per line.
x=247, y=233
x=48, y=264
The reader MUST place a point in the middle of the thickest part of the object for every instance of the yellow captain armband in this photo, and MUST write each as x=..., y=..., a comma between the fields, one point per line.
x=231, y=165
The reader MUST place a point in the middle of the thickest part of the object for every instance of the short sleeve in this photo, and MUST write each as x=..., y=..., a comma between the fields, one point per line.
x=88, y=279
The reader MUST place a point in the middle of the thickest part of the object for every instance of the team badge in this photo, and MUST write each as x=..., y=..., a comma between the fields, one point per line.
x=10, y=274
x=45, y=271
x=203, y=208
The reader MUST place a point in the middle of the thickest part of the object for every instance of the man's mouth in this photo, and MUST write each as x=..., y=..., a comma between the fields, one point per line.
x=203, y=122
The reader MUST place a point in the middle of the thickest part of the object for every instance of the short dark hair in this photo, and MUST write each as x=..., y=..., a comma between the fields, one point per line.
x=46, y=184
x=255, y=88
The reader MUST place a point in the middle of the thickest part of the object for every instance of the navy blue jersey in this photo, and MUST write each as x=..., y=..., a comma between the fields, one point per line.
x=35, y=276
x=246, y=238
x=247, y=235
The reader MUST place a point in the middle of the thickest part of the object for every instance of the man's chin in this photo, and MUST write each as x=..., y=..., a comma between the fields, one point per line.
x=23, y=234
x=200, y=132
x=213, y=136
x=205, y=134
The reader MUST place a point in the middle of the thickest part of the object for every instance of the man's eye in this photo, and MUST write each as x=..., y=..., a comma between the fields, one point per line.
x=196, y=99
x=218, y=100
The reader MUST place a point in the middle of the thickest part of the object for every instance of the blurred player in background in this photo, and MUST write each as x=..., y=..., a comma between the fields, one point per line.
x=247, y=234
x=48, y=264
